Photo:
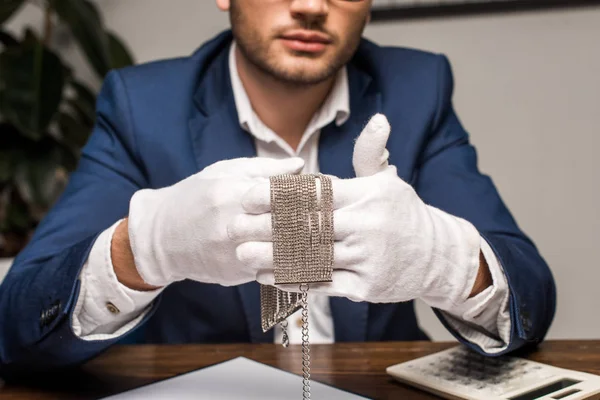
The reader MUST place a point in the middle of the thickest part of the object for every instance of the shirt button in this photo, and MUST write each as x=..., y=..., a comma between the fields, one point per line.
x=299, y=322
x=112, y=308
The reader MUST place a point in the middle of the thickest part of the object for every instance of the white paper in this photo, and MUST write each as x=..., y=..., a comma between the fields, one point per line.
x=235, y=379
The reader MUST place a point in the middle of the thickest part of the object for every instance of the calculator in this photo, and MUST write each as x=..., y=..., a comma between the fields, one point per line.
x=459, y=373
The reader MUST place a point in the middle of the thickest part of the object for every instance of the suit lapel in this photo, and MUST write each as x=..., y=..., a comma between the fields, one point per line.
x=215, y=131
x=335, y=158
x=216, y=135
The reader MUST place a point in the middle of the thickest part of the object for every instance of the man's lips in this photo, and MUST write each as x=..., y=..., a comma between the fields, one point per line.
x=306, y=41
x=307, y=36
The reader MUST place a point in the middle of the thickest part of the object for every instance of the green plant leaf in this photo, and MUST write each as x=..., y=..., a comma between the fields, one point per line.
x=4, y=195
x=73, y=131
x=83, y=93
x=30, y=37
x=7, y=39
x=82, y=112
x=83, y=104
x=15, y=218
x=8, y=8
x=86, y=25
x=11, y=140
x=69, y=158
x=120, y=56
x=32, y=79
x=5, y=165
x=37, y=177
x=18, y=218
x=85, y=98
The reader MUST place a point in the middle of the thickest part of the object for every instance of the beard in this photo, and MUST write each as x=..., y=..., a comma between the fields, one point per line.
x=257, y=52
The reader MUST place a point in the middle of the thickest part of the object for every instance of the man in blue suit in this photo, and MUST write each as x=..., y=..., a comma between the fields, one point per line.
x=162, y=234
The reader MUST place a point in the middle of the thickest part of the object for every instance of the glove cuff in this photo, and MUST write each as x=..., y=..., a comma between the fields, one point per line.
x=145, y=237
x=454, y=262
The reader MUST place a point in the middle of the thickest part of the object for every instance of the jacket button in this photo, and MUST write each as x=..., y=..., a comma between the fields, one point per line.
x=112, y=308
x=49, y=315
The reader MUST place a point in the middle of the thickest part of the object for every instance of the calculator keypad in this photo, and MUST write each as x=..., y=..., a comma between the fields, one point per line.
x=461, y=367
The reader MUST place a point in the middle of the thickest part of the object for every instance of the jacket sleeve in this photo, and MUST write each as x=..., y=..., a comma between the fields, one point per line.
x=448, y=178
x=38, y=295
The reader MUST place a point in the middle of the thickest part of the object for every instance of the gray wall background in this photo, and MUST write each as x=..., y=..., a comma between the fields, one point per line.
x=528, y=91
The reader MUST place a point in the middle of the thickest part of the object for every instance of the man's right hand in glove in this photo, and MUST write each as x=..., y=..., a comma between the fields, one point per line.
x=180, y=232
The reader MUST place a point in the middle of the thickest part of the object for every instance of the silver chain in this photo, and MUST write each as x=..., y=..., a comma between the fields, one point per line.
x=305, y=343
x=302, y=227
x=285, y=340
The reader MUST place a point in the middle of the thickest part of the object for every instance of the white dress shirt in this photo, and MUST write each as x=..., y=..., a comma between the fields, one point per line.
x=106, y=308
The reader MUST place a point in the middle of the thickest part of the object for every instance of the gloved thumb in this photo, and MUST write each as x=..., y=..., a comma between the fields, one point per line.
x=370, y=155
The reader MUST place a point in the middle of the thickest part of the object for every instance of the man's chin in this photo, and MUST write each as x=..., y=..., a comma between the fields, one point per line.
x=306, y=72
x=303, y=77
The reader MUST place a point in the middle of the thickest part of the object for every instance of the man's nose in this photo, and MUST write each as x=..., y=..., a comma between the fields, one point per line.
x=310, y=10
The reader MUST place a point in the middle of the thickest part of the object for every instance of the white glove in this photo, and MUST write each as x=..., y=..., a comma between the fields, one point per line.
x=389, y=245
x=180, y=232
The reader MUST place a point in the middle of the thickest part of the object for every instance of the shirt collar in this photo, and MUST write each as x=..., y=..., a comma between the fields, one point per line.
x=335, y=108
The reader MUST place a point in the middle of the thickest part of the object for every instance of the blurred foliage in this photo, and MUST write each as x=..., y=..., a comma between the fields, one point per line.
x=46, y=114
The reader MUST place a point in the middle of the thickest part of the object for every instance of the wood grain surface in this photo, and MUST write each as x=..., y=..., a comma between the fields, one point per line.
x=356, y=367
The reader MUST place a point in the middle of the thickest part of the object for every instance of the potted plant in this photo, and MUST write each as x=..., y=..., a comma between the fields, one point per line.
x=46, y=113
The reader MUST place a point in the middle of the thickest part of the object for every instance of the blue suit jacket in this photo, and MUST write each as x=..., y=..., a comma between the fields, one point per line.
x=162, y=122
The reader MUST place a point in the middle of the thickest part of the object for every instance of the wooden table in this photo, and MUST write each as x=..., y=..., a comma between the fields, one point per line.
x=359, y=368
